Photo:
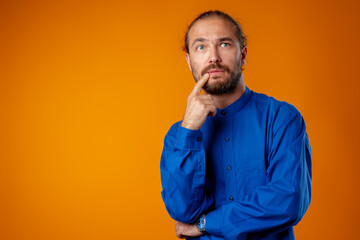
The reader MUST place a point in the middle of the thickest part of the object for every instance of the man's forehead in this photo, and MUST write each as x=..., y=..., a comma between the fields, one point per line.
x=210, y=28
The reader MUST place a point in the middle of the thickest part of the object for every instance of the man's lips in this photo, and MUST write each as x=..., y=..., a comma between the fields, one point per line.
x=213, y=72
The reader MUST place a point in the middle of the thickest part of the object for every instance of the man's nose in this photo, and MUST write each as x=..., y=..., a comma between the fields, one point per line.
x=214, y=56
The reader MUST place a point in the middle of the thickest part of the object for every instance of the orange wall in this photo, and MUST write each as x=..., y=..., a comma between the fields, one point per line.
x=88, y=89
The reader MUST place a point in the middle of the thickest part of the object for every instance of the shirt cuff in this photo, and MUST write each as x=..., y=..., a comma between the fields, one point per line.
x=213, y=221
x=187, y=138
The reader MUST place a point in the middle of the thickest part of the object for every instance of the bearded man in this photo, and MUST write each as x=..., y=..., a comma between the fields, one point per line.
x=238, y=165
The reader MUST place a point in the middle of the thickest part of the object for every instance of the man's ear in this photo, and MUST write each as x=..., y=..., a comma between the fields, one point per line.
x=243, y=55
x=187, y=56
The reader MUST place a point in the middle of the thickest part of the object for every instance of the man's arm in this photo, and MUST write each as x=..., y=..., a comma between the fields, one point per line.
x=183, y=160
x=184, y=230
x=183, y=175
x=283, y=201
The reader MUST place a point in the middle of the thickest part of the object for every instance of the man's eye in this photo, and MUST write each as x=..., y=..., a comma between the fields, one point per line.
x=225, y=44
x=200, y=47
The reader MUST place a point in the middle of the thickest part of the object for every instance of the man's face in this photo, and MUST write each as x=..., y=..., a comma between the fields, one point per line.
x=215, y=49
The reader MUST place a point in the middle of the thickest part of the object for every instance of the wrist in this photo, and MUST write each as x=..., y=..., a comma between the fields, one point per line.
x=201, y=223
x=187, y=125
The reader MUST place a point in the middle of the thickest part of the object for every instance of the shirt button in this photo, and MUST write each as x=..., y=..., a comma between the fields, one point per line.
x=227, y=139
x=223, y=112
x=229, y=168
x=199, y=139
x=231, y=198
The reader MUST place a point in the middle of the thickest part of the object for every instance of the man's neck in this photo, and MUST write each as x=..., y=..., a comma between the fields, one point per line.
x=224, y=100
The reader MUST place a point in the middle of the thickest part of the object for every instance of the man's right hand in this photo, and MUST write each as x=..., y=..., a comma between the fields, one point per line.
x=198, y=106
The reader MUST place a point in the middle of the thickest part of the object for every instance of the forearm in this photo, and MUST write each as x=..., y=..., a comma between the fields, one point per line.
x=183, y=175
x=266, y=210
x=184, y=230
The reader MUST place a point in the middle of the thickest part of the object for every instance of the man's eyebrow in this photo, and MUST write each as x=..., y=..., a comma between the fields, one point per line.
x=198, y=40
x=223, y=39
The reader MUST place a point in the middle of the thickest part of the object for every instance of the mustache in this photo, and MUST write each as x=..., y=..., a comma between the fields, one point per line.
x=215, y=66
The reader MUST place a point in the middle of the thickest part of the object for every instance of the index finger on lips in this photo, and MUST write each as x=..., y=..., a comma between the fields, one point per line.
x=200, y=84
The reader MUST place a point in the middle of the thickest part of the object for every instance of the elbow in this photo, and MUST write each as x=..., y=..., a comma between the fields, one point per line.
x=182, y=216
x=297, y=208
x=182, y=213
x=293, y=217
x=299, y=199
x=181, y=210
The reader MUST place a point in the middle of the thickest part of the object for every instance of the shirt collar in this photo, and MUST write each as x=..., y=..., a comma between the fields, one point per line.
x=235, y=106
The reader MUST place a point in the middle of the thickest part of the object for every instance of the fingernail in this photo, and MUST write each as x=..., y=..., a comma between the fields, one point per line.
x=206, y=75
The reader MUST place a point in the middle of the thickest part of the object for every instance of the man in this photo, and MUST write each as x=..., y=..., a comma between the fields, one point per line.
x=238, y=166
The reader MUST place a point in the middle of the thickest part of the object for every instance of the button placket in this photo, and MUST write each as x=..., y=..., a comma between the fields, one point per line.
x=228, y=151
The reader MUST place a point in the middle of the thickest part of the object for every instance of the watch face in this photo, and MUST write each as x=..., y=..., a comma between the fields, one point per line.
x=201, y=224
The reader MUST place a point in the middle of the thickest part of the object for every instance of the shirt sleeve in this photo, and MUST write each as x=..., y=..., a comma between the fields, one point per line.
x=280, y=203
x=183, y=174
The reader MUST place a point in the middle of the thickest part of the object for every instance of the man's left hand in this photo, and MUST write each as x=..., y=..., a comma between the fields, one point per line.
x=184, y=230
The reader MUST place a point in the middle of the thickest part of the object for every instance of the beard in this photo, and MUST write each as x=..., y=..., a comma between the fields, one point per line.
x=220, y=87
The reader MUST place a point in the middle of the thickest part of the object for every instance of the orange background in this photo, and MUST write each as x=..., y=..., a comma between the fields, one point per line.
x=88, y=89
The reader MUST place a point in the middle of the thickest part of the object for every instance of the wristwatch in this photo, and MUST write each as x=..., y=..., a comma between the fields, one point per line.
x=201, y=223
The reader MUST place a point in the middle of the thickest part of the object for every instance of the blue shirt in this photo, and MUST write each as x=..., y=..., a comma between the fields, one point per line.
x=248, y=168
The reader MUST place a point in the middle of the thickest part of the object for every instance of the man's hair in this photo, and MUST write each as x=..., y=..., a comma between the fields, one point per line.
x=219, y=14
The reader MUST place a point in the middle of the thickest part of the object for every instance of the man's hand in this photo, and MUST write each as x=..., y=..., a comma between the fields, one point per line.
x=184, y=230
x=198, y=106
